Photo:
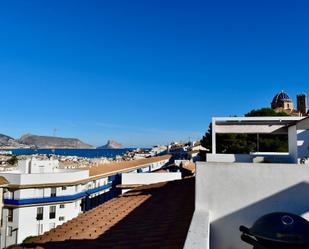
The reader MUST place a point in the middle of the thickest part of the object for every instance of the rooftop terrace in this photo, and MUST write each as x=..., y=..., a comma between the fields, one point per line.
x=152, y=216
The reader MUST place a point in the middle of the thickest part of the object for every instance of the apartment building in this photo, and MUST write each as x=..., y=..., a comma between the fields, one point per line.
x=40, y=196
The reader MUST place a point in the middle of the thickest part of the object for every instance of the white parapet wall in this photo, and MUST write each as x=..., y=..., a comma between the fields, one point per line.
x=148, y=178
x=58, y=176
x=235, y=194
x=273, y=157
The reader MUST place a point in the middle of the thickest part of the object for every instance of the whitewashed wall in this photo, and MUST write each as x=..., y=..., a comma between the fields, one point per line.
x=59, y=177
x=245, y=158
x=37, y=166
x=146, y=178
x=238, y=194
x=45, y=192
x=27, y=215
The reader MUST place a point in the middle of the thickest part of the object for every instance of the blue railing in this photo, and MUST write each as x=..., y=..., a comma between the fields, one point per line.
x=56, y=198
x=92, y=191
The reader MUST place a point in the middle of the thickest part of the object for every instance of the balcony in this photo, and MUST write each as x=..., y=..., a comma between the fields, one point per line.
x=80, y=195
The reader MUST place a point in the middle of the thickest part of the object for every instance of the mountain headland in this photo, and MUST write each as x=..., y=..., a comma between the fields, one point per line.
x=53, y=142
x=111, y=144
x=36, y=141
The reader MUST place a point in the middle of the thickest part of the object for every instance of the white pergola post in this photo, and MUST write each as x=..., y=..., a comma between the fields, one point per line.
x=292, y=141
x=213, y=138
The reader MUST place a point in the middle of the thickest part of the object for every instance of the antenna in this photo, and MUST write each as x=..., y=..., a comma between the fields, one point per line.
x=55, y=131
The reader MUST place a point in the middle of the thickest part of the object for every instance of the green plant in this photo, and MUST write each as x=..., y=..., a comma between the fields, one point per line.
x=303, y=160
x=27, y=239
x=13, y=160
x=245, y=143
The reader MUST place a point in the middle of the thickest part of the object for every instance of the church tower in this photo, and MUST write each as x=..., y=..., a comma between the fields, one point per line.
x=302, y=103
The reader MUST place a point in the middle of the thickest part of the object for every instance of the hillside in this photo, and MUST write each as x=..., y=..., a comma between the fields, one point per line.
x=7, y=141
x=52, y=142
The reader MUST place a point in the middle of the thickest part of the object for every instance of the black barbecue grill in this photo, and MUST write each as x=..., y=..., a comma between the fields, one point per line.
x=277, y=231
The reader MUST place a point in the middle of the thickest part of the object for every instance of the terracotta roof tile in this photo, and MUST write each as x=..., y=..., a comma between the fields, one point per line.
x=152, y=216
x=188, y=165
x=120, y=166
x=3, y=181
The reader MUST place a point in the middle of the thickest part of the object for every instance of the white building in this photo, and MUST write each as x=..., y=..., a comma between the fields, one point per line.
x=234, y=190
x=229, y=195
x=40, y=196
x=158, y=150
x=295, y=127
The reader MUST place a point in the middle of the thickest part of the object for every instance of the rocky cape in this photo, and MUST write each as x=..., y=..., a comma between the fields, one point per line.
x=111, y=144
x=36, y=141
x=7, y=141
x=53, y=142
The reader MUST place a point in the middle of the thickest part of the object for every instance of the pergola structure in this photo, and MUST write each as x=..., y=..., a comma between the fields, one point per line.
x=294, y=127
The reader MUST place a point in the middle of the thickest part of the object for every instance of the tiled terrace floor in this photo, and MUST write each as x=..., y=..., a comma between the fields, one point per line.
x=153, y=216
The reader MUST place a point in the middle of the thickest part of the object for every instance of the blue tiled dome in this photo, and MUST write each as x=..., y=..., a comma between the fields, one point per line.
x=281, y=97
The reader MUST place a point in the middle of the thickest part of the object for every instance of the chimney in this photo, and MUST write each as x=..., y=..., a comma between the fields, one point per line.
x=302, y=103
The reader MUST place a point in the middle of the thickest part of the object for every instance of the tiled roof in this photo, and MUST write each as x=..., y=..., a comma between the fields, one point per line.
x=3, y=181
x=96, y=172
x=188, y=165
x=121, y=166
x=153, y=216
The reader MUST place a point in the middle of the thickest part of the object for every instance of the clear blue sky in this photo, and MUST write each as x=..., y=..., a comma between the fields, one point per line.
x=145, y=72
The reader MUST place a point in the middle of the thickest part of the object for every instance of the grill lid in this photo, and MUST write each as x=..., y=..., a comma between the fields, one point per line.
x=281, y=227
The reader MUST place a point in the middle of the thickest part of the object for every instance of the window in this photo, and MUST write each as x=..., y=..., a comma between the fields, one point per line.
x=62, y=206
x=10, y=231
x=61, y=218
x=39, y=213
x=64, y=188
x=52, y=212
x=53, y=192
x=10, y=215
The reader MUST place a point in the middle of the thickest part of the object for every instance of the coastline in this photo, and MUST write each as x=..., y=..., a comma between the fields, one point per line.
x=80, y=152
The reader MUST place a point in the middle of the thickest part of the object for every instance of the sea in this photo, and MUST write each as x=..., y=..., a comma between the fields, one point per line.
x=90, y=153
